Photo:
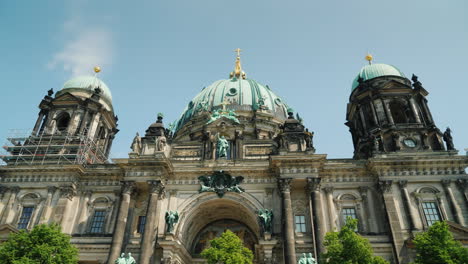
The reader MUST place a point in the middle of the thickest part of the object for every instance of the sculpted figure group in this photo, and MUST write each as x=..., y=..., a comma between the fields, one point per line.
x=125, y=260
x=307, y=259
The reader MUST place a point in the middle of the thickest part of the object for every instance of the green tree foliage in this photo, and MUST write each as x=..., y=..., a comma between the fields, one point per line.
x=227, y=249
x=436, y=246
x=347, y=247
x=44, y=244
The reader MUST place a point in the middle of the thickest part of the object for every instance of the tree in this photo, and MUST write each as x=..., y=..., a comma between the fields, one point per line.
x=44, y=244
x=437, y=245
x=227, y=249
x=347, y=247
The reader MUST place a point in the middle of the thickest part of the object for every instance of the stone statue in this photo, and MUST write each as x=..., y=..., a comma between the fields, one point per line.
x=309, y=137
x=266, y=220
x=222, y=147
x=136, y=144
x=448, y=139
x=130, y=259
x=125, y=260
x=121, y=259
x=307, y=259
x=172, y=217
x=161, y=142
x=214, y=116
x=220, y=183
x=232, y=116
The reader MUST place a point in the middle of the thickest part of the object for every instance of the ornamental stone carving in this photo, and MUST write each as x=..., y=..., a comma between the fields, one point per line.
x=67, y=192
x=313, y=184
x=385, y=186
x=157, y=186
x=127, y=187
x=220, y=183
x=284, y=184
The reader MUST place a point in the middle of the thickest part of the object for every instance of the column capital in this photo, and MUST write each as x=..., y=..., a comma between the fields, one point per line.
x=462, y=184
x=127, y=187
x=403, y=184
x=3, y=189
x=328, y=190
x=385, y=186
x=284, y=184
x=51, y=189
x=313, y=184
x=446, y=183
x=157, y=187
x=67, y=192
x=363, y=191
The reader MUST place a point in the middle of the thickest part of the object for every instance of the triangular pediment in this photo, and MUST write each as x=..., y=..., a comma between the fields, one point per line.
x=67, y=97
x=459, y=232
x=219, y=122
x=392, y=84
x=5, y=231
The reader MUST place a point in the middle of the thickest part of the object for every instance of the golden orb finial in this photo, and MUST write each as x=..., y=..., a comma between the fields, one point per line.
x=97, y=69
x=369, y=58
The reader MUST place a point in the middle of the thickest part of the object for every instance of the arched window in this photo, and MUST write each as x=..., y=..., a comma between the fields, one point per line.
x=29, y=204
x=399, y=113
x=63, y=120
x=99, y=220
x=430, y=205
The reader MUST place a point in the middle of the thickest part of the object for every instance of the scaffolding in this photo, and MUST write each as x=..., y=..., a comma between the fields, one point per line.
x=23, y=147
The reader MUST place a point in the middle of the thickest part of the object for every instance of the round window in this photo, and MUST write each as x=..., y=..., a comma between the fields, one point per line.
x=232, y=91
x=409, y=143
x=278, y=101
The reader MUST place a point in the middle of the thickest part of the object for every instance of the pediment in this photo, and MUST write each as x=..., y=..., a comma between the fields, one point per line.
x=222, y=121
x=5, y=231
x=392, y=84
x=459, y=232
x=67, y=97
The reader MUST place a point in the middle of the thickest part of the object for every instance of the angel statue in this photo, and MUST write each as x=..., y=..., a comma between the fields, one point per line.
x=121, y=259
x=266, y=220
x=172, y=217
x=222, y=147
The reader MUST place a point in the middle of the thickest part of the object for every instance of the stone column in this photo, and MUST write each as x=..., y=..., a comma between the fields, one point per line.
x=119, y=230
x=65, y=210
x=374, y=113
x=312, y=221
x=290, y=243
x=83, y=216
x=3, y=190
x=415, y=110
x=48, y=208
x=456, y=211
x=409, y=208
x=398, y=238
x=156, y=189
x=84, y=120
x=388, y=112
x=463, y=186
x=313, y=185
x=9, y=213
x=38, y=122
x=331, y=207
x=368, y=206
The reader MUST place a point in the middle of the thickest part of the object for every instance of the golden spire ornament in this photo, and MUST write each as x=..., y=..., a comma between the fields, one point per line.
x=369, y=58
x=97, y=69
x=238, y=68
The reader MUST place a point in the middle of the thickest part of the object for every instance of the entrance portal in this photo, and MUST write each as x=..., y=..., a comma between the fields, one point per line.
x=215, y=229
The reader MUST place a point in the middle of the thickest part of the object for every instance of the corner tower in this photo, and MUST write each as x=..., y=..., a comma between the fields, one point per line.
x=388, y=113
x=75, y=126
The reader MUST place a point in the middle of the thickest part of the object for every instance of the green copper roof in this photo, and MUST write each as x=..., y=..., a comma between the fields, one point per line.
x=243, y=94
x=88, y=84
x=376, y=70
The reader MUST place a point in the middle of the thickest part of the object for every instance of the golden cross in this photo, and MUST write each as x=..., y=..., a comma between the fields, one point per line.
x=238, y=51
x=224, y=103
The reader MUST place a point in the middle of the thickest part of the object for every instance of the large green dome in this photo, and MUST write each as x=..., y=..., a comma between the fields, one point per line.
x=242, y=94
x=87, y=84
x=376, y=70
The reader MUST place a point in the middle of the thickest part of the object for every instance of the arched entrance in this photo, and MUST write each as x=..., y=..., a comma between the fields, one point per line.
x=208, y=216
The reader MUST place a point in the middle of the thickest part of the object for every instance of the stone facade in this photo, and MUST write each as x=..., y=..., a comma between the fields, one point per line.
x=270, y=163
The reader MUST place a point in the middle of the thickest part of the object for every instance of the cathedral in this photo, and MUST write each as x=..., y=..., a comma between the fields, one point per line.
x=238, y=158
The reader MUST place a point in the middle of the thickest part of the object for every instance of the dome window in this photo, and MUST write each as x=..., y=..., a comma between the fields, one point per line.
x=278, y=101
x=232, y=92
x=62, y=122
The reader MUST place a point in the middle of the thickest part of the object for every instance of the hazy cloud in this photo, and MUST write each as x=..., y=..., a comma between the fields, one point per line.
x=85, y=50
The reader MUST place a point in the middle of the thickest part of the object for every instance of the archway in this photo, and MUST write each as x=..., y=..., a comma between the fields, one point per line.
x=208, y=216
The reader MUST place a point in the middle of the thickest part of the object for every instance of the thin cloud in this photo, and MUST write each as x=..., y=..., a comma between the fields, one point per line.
x=87, y=49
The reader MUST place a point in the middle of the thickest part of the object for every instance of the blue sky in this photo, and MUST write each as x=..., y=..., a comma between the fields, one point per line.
x=157, y=55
